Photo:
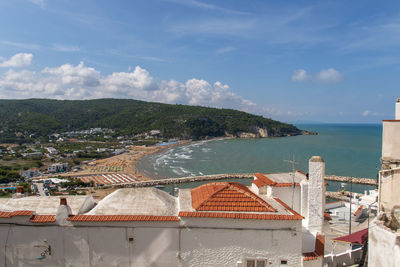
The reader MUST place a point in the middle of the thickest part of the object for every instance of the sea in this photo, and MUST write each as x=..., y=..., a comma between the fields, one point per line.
x=347, y=149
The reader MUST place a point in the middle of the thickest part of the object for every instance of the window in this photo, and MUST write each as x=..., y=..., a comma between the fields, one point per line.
x=256, y=263
x=283, y=262
x=250, y=263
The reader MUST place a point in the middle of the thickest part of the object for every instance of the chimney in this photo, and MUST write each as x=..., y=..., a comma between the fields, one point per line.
x=316, y=194
x=63, y=201
x=63, y=212
x=397, y=117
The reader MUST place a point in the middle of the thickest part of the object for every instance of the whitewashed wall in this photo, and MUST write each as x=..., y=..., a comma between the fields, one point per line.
x=383, y=246
x=199, y=243
x=88, y=246
x=291, y=196
x=391, y=140
x=390, y=184
x=271, y=240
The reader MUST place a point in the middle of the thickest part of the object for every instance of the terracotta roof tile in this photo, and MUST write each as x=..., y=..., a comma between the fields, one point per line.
x=319, y=249
x=43, y=219
x=285, y=184
x=309, y=256
x=258, y=183
x=7, y=214
x=121, y=218
x=227, y=196
x=264, y=178
x=327, y=216
x=320, y=245
x=229, y=215
x=358, y=210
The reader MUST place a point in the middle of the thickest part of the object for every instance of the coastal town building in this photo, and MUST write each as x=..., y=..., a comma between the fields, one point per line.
x=384, y=231
x=57, y=167
x=277, y=221
x=33, y=172
x=52, y=150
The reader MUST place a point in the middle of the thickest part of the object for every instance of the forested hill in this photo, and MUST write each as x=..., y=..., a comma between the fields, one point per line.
x=45, y=116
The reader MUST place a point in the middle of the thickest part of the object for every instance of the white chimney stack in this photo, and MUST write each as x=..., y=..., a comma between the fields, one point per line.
x=316, y=194
x=397, y=109
x=63, y=212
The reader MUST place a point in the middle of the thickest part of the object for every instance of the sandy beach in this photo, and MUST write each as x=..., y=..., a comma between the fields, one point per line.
x=122, y=164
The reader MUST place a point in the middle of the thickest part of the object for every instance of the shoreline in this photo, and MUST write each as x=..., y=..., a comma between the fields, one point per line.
x=130, y=159
x=182, y=143
x=124, y=163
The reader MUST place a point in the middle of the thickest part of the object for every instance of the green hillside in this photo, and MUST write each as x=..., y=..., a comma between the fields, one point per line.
x=45, y=116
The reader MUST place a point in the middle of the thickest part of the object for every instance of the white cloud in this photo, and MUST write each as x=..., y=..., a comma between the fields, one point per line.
x=324, y=76
x=300, y=76
x=65, y=48
x=18, y=60
x=202, y=5
x=329, y=76
x=81, y=82
x=21, y=45
x=370, y=113
x=37, y=2
x=70, y=75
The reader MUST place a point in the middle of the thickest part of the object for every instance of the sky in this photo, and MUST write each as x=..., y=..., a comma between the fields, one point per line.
x=294, y=61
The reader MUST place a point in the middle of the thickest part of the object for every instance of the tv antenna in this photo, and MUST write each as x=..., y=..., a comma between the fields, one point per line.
x=292, y=162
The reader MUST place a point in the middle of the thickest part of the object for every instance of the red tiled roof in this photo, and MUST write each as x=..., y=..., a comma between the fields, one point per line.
x=265, y=179
x=248, y=216
x=358, y=210
x=319, y=249
x=286, y=184
x=121, y=218
x=359, y=237
x=7, y=214
x=327, y=216
x=258, y=183
x=309, y=256
x=43, y=219
x=227, y=196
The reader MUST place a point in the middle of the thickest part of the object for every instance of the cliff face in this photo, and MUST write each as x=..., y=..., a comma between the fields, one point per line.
x=258, y=133
x=263, y=133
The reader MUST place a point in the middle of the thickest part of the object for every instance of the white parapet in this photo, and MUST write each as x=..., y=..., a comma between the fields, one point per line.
x=316, y=194
x=397, y=117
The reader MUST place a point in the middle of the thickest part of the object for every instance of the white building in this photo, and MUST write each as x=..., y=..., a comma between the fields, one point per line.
x=33, y=172
x=52, y=150
x=215, y=224
x=384, y=231
x=57, y=167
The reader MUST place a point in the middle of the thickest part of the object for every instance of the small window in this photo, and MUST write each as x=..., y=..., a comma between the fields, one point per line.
x=283, y=262
x=255, y=263
x=250, y=263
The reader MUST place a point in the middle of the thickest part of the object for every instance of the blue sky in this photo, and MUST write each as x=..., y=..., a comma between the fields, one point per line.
x=323, y=61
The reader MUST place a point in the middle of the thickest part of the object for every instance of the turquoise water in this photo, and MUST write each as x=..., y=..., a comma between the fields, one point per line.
x=348, y=150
